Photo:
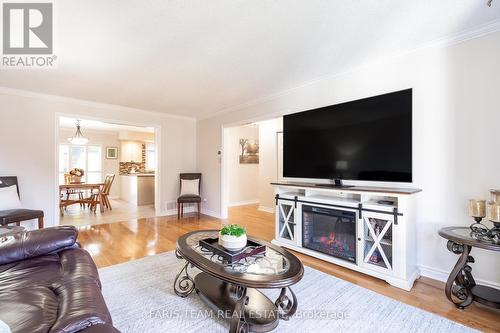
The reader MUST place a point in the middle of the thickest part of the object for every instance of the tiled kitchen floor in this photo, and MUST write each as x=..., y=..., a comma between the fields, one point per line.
x=122, y=211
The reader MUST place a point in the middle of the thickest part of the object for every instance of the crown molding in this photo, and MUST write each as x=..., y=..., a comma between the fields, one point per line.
x=488, y=28
x=82, y=102
x=464, y=36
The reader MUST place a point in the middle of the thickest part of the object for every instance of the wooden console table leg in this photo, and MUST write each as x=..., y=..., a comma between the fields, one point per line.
x=460, y=280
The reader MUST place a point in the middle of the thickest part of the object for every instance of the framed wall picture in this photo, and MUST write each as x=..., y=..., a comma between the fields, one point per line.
x=112, y=153
x=249, y=151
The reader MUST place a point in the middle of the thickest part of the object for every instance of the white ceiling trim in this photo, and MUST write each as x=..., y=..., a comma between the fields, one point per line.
x=489, y=28
x=86, y=103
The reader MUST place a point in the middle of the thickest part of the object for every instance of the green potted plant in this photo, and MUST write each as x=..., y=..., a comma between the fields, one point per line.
x=233, y=237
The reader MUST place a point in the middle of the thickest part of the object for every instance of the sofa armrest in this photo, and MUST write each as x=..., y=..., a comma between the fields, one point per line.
x=34, y=243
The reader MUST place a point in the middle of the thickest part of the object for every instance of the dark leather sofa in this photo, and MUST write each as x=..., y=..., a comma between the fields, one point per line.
x=49, y=284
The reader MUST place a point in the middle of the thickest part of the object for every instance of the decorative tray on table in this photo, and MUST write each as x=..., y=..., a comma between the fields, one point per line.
x=212, y=245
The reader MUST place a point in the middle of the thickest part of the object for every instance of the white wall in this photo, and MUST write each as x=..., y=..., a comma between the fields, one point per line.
x=103, y=139
x=456, y=118
x=268, y=161
x=28, y=140
x=242, y=178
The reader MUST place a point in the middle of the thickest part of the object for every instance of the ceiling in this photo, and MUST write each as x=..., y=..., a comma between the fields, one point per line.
x=87, y=124
x=195, y=58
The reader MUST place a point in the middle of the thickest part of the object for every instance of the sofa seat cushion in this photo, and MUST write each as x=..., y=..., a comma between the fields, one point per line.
x=60, y=290
x=76, y=263
x=80, y=305
x=31, y=309
x=79, y=291
x=38, y=271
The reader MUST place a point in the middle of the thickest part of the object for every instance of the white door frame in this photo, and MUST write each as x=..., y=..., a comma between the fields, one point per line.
x=224, y=159
x=157, y=133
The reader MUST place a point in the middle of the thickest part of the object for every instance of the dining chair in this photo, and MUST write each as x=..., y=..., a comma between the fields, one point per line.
x=106, y=188
x=69, y=192
x=188, y=192
x=18, y=215
x=108, y=182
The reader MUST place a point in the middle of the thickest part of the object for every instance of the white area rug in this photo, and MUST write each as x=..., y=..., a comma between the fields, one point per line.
x=140, y=297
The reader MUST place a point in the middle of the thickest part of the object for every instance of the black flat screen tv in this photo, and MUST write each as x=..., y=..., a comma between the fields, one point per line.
x=368, y=139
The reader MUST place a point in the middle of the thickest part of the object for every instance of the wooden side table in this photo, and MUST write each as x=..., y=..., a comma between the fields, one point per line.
x=461, y=289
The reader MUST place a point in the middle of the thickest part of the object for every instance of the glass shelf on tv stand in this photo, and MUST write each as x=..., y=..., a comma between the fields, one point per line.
x=377, y=242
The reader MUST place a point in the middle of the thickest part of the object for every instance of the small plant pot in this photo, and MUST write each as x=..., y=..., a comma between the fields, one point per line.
x=233, y=243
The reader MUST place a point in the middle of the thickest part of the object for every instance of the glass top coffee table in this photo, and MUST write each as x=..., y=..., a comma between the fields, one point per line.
x=232, y=287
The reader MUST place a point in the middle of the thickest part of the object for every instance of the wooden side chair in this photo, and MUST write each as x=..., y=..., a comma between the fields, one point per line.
x=108, y=182
x=79, y=193
x=190, y=192
x=18, y=215
x=106, y=188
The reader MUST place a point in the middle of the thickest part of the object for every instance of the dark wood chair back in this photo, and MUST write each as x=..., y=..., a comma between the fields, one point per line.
x=190, y=176
x=9, y=181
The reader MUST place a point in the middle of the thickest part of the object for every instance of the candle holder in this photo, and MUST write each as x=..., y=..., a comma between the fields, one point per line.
x=494, y=216
x=495, y=196
x=478, y=210
x=494, y=233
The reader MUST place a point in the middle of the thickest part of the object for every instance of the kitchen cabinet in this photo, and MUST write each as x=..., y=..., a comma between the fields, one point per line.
x=138, y=189
x=131, y=151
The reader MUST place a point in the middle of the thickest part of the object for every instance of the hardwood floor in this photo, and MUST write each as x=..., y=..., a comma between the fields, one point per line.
x=115, y=243
x=122, y=211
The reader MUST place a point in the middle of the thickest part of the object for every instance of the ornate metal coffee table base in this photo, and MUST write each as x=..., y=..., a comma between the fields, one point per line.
x=183, y=283
x=232, y=289
x=248, y=309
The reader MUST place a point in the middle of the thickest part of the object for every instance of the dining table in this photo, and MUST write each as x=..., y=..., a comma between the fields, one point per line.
x=93, y=200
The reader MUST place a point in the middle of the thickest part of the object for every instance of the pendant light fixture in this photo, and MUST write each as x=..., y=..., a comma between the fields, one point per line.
x=78, y=138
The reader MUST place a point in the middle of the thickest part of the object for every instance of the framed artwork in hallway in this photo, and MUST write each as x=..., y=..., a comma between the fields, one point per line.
x=112, y=153
x=249, y=151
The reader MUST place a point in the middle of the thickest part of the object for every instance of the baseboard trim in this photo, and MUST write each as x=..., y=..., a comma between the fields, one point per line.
x=243, y=203
x=170, y=212
x=266, y=209
x=210, y=213
x=442, y=275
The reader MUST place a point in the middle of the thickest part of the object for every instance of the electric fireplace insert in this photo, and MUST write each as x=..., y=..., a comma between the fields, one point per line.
x=330, y=231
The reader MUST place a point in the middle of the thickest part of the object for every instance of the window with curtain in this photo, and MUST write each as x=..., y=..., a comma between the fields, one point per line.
x=88, y=158
x=150, y=156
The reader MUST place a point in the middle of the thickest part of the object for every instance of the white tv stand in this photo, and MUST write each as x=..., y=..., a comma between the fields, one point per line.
x=385, y=233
